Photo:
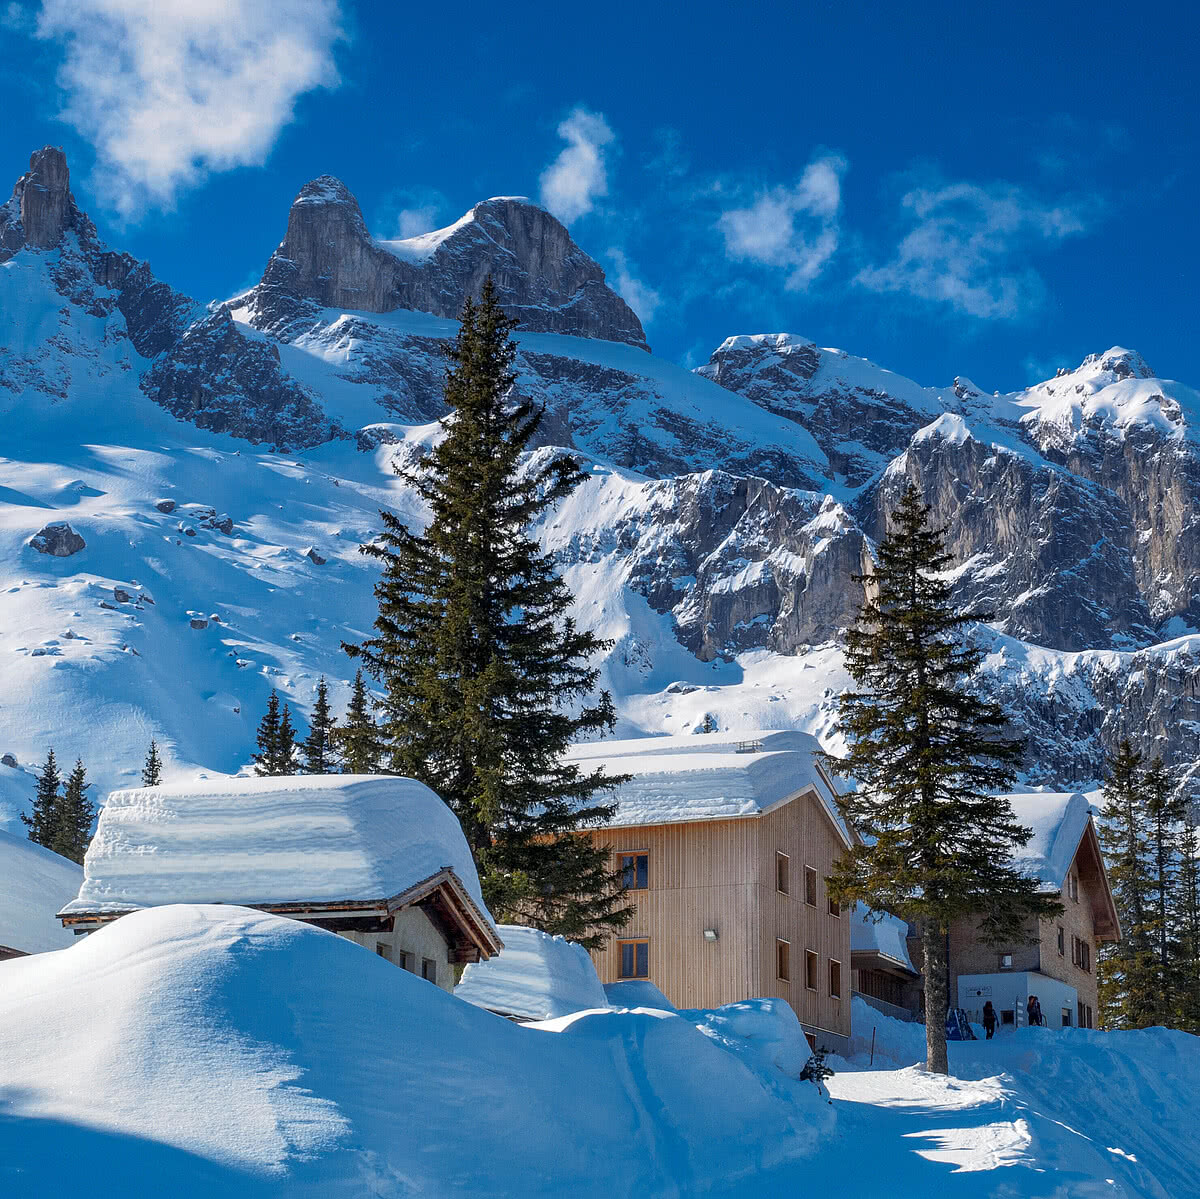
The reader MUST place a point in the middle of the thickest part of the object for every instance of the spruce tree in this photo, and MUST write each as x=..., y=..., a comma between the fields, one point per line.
x=1127, y=973
x=358, y=738
x=286, y=761
x=76, y=814
x=932, y=765
x=319, y=754
x=267, y=760
x=152, y=770
x=487, y=679
x=1165, y=810
x=43, y=824
x=1187, y=912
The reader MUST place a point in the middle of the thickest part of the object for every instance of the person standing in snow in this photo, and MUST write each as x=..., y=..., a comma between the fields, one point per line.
x=1035, y=1012
x=989, y=1019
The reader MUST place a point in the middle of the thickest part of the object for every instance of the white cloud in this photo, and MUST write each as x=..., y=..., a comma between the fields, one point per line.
x=793, y=228
x=641, y=297
x=967, y=248
x=413, y=221
x=574, y=180
x=168, y=90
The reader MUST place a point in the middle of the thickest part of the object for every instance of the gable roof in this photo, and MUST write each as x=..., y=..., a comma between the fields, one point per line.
x=34, y=884
x=711, y=776
x=1059, y=820
x=291, y=842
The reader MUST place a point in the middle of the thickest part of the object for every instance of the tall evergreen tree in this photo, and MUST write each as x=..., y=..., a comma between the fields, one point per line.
x=1127, y=972
x=358, y=739
x=1165, y=809
x=487, y=678
x=43, y=824
x=276, y=740
x=319, y=754
x=76, y=814
x=932, y=765
x=152, y=770
x=1187, y=918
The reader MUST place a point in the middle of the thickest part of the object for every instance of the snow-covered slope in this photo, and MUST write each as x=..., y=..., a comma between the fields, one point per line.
x=34, y=885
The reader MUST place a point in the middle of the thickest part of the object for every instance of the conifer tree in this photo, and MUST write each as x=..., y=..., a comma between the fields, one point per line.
x=43, y=824
x=1127, y=973
x=152, y=770
x=286, y=762
x=319, y=753
x=76, y=814
x=1165, y=810
x=358, y=738
x=267, y=760
x=487, y=679
x=932, y=765
x=1187, y=913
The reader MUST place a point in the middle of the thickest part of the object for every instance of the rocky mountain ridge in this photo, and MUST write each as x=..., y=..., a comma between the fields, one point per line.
x=717, y=541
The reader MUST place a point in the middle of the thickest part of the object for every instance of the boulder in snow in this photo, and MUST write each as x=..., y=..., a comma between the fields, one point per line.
x=121, y=595
x=199, y=622
x=165, y=506
x=9, y=760
x=315, y=558
x=57, y=539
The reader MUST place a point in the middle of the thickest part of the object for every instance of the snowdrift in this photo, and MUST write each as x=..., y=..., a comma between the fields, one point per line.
x=192, y=1050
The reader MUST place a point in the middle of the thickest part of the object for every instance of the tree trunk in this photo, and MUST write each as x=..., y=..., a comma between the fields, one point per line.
x=937, y=997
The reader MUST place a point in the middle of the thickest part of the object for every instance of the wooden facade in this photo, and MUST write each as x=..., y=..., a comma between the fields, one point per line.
x=725, y=912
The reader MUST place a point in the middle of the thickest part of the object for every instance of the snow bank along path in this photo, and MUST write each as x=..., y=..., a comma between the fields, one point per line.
x=217, y=1051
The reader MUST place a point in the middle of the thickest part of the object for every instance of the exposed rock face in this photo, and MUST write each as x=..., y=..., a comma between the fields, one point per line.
x=57, y=539
x=45, y=198
x=543, y=278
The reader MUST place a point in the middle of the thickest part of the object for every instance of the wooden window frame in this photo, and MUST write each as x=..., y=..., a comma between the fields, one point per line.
x=634, y=941
x=832, y=993
x=812, y=969
x=811, y=872
x=635, y=854
x=783, y=958
x=783, y=860
x=382, y=948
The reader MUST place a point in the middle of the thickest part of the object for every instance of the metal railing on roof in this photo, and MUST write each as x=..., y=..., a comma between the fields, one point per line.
x=749, y=747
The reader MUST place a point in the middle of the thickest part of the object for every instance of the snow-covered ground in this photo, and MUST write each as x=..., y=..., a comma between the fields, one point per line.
x=203, y=1051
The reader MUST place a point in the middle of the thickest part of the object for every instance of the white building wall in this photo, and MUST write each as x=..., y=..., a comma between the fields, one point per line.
x=417, y=936
x=1009, y=990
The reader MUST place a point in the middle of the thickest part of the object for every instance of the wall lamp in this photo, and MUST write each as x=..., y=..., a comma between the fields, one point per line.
x=710, y=934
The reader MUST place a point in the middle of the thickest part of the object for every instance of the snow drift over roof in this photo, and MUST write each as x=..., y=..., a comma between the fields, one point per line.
x=886, y=936
x=34, y=884
x=324, y=838
x=1058, y=820
x=706, y=777
x=535, y=976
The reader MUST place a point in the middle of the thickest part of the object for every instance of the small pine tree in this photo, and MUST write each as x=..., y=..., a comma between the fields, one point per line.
x=286, y=761
x=266, y=761
x=487, y=677
x=1126, y=971
x=152, y=770
x=43, y=824
x=359, y=740
x=932, y=764
x=319, y=754
x=76, y=813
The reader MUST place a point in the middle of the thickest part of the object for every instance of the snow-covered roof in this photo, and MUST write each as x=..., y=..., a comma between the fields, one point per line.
x=34, y=884
x=884, y=934
x=709, y=776
x=309, y=838
x=1059, y=820
x=534, y=977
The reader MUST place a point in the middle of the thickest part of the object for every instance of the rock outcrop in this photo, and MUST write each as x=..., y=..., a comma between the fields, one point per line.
x=57, y=539
x=328, y=259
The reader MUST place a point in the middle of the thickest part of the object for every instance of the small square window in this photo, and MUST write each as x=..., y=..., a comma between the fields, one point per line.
x=810, y=886
x=783, y=961
x=835, y=979
x=405, y=961
x=429, y=969
x=1008, y=1016
x=635, y=958
x=1006, y=961
x=782, y=881
x=812, y=961
x=635, y=871
x=381, y=948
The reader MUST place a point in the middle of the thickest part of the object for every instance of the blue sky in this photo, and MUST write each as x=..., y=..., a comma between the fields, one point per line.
x=947, y=189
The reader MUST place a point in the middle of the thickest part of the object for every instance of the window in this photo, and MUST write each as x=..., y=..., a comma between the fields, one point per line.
x=429, y=969
x=635, y=871
x=1081, y=1013
x=783, y=961
x=405, y=961
x=782, y=862
x=1006, y=961
x=1081, y=954
x=1061, y=941
x=381, y=948
x=834, y=909
x=1066, y=1017
x=810, y=886
x=1088, y=1013
x=1008, y=1016
x=1073, y=886
x=835, y=979
x=811, y=962
x=635, y=959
